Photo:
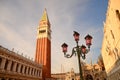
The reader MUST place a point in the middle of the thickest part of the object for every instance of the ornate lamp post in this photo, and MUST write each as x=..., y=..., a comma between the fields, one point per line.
x=81, y=51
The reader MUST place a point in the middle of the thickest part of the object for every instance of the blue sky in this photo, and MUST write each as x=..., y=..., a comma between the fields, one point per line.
x=19, y=20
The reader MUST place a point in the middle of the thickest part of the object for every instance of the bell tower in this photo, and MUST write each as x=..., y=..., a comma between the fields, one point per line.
x=43, y=46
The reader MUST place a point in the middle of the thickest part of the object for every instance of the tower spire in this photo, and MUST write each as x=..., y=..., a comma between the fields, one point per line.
x=43, y=46
x=44, y=18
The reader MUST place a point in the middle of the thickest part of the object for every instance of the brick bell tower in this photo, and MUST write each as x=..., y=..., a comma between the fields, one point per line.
x=43, y=46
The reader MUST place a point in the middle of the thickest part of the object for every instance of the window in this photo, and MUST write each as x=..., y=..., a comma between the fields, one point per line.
x=118, y=14
x=42, y=31
x=103, y=68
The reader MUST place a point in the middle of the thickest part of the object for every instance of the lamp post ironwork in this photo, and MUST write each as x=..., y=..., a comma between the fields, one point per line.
x=81, y=51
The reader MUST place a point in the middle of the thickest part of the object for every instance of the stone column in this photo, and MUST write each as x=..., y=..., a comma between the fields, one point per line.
x=27, y=70
x=7, y=79
x=9, y=65
x=40, y=72
x=36, y=74
x=3, y=63
x=14, y=66
x=19, y=67
x=30, y=71
x=23, y=70
x=33, y=71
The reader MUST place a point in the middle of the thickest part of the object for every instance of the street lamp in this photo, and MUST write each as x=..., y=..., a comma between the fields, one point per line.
x=81, y=51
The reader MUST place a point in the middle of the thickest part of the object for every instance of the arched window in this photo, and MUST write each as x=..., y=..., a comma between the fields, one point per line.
x=89, y=77
x=118, y=14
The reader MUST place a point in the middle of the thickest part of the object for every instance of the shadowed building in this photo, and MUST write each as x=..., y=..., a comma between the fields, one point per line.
x=90, y=72
x=111, y=40
x=16, y=67
x=43, y=46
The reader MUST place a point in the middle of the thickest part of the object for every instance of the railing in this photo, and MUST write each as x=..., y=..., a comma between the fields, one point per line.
x=12, y=53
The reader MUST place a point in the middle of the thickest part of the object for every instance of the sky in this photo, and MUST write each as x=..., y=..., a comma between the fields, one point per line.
x=19, y=20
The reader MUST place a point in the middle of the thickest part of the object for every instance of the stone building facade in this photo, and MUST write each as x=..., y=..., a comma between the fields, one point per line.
x=111, y=40
x=58, y=76
x=98, y=72
x=90, y=72
x=70, y=75
x=16, y=67
x=94, y=72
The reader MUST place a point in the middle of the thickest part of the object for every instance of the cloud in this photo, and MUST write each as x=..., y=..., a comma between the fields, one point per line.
x=19, y=20
x=16, y=41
